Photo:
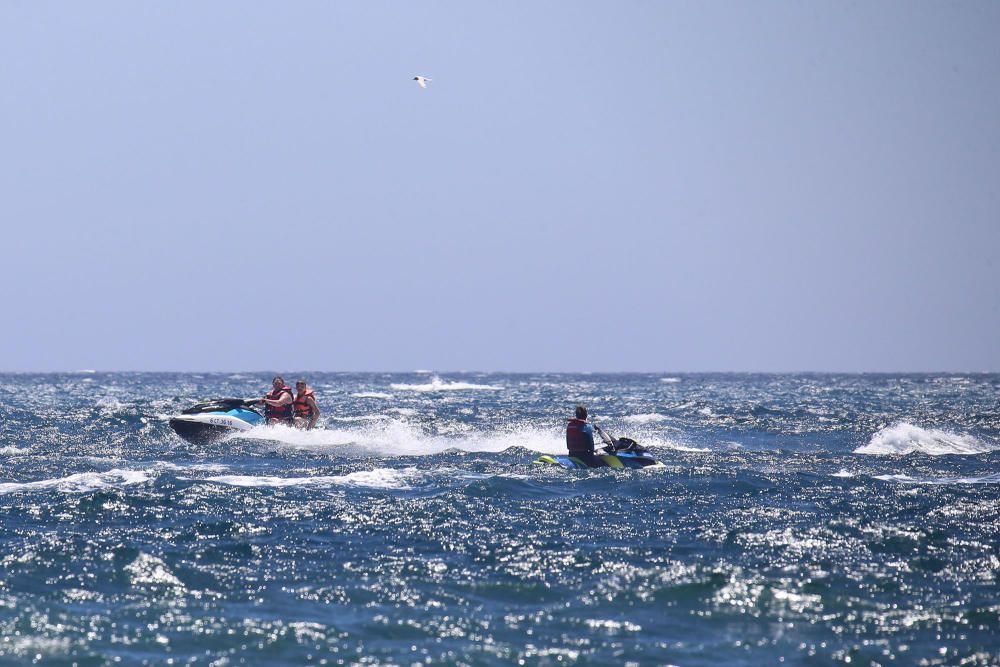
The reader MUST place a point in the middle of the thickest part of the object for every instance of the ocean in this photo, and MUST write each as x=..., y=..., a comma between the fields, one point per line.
x=805, y=519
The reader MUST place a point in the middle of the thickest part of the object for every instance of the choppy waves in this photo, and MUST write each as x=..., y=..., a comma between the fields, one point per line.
x=788, y=523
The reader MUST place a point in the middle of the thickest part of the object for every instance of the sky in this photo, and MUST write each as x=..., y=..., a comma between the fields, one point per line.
x=583, y=186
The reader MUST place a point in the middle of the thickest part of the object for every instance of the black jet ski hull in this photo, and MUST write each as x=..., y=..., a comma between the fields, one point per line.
x=212, y=421
x=200, y=433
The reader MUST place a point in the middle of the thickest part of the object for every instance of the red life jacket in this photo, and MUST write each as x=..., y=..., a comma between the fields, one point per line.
x=281, y=413
x=302, y=407
x=579, y=439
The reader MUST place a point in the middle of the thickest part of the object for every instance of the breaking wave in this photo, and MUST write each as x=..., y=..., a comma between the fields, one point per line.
x=904, y=438
x=380, y=478
x=908, y=479
x=83, y=482
x=437, y=384
x=648, y=418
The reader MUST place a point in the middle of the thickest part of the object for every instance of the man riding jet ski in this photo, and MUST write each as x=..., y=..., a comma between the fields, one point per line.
x=213, y=420
x=619, y=453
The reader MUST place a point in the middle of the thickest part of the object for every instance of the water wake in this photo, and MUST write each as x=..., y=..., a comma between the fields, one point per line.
x=398, y=437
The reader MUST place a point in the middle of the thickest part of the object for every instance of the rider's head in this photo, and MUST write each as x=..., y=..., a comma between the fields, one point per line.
x=581, y=412
x=278, y=382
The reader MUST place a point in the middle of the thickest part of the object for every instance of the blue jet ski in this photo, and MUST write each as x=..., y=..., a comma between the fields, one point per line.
x=210, y=421
x=619, y=453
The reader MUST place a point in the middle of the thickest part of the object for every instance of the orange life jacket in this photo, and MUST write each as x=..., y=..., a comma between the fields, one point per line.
x=302, y=407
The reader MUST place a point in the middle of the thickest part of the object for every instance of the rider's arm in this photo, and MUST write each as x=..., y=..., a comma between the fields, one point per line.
x=315, y=411
x=284, y=399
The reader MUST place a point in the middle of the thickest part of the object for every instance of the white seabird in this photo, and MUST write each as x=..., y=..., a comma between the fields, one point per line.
x=421, y=80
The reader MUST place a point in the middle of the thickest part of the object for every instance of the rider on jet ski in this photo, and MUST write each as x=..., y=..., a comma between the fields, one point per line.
x=580, y=439
x=278, y=407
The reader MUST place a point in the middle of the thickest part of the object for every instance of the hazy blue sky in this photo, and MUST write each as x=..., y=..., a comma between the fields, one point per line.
x=669, y=186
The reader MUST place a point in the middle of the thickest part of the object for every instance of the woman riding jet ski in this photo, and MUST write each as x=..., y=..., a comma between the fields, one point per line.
x=213, y=420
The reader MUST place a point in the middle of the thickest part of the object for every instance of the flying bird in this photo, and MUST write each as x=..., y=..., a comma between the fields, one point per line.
x=421, y=80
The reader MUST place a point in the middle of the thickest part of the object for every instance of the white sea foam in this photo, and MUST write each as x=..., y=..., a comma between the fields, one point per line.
x=380, y=478
x=670, y=380
x=400, y=437
x=81, y=482
x=147, y=570
x=373, y=394
x=843, y=473
x=110, y=404
x=437, y=384
x=647, y=418
x=674, y=445
x=397, y=437
x=904, y=438
x=13, y=451
x=907, y=479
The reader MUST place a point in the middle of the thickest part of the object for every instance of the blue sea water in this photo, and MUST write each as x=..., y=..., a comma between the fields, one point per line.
x=798, y=519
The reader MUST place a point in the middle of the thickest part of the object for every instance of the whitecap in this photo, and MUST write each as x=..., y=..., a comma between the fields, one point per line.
x=904, y=438
x=110, y=404
x=670, y=380
x=147, y=570
x=81, y=482
x=647, y=418
x=843, y=473
x=380, y=478
x=907, y=479
x=437, y=384
x=682, y=448
x=373, y=394
x=13, y=451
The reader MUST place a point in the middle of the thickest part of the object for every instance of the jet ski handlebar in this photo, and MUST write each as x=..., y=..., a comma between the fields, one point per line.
x=612, y=444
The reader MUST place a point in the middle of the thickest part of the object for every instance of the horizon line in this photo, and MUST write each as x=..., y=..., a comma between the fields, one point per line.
x=421, y=371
